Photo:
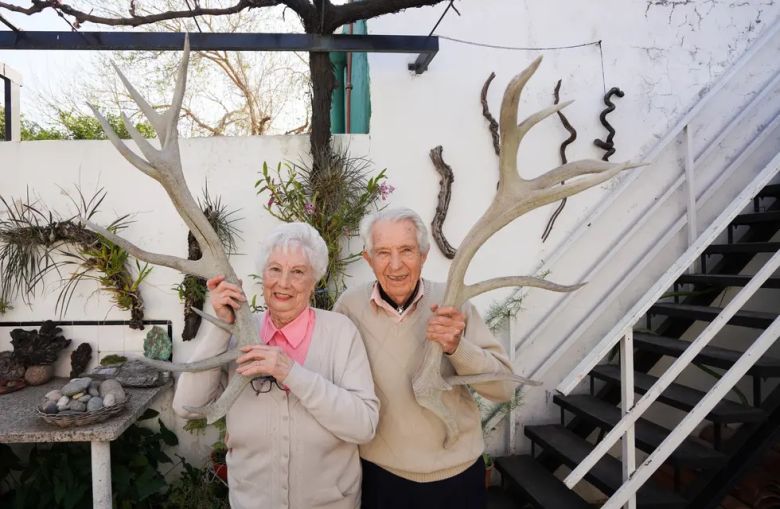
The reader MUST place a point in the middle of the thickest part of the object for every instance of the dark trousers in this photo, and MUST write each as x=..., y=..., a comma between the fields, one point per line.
x=384, y=490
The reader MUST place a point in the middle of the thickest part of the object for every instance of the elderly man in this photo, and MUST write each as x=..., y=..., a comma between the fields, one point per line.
x=406, y=465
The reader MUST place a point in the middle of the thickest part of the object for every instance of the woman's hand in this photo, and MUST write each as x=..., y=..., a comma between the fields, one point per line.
x=225, y=298
x=261, y=360
x=445, y=327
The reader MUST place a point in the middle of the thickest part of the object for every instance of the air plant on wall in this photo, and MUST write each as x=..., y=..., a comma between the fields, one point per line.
x=34, y=242
x=192, y=289
x=333, y=200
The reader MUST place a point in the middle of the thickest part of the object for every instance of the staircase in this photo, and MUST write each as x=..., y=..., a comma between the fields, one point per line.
x=699, y=473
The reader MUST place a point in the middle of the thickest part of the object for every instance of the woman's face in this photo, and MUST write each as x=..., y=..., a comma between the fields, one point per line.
x=288, y=283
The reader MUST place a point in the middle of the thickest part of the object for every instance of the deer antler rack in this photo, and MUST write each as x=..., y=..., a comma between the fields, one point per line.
x=515, y=197
x=164, y=166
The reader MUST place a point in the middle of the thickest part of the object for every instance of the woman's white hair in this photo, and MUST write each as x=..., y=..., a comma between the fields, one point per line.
x=287, y=235
x=395, y=215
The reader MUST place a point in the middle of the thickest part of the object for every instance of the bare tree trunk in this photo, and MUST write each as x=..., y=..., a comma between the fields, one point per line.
x=323, y=83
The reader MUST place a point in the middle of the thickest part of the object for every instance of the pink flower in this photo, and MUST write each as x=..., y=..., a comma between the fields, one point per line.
x=309, y=208
x=270, y=202
x=385, y=189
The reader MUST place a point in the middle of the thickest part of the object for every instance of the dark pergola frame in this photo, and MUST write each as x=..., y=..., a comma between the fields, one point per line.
x=426, y=47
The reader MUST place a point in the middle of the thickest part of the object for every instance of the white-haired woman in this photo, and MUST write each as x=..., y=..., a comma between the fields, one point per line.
x=292, y=434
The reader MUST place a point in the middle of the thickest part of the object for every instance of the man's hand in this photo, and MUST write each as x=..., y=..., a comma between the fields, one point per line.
x=261, y=360
x=225, y=298
x=446, y=327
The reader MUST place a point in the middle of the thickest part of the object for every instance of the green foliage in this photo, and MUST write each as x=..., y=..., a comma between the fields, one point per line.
x=332, y=199
x=108, y=360
x=59, y=476
x=196, y=489
x=75, y=126
x=500, y=313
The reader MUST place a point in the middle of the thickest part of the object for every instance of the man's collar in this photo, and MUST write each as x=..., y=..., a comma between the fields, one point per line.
x=405, y=305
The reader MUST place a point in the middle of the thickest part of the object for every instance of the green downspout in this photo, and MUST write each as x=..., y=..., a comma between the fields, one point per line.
x=359, y=96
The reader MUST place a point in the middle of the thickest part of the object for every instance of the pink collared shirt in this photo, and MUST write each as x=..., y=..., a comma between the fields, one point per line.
x=383, y=304
x=294, y=338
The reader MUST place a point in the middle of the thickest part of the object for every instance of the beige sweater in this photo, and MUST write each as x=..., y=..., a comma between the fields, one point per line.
x=295, y=450
x=409, y=439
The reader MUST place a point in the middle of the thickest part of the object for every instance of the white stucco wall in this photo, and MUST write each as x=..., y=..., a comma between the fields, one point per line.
x=662, y=54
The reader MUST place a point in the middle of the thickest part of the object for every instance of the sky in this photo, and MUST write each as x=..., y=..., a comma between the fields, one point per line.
x=41, y=70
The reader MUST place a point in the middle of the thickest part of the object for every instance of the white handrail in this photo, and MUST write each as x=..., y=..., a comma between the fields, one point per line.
x=695, y=416
x=665, y=380
x=596, y=312
x=671, y=275
x=651, y=155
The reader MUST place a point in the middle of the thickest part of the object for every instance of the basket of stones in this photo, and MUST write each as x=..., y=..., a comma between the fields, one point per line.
x=83, y=401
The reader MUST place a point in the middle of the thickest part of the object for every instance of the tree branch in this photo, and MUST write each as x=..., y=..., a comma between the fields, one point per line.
x=445, y=191
x=493, y=125
x=367, y=9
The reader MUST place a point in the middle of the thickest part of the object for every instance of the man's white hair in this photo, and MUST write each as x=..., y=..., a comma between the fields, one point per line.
x=288, y=235
x=395, y=215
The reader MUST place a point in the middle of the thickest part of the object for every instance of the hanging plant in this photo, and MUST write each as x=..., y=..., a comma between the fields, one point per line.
x=334, y=200
x=34, y=241
x=192, y=289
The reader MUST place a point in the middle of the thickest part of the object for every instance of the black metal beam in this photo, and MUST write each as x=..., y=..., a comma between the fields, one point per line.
x=173, y=41
x=7, y=113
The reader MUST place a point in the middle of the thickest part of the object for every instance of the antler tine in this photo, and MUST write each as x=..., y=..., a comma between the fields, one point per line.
x=219, y=408
x=157, y=120
x=172, y=115
x=532, y=120
x=194, y=267
x=201, y=365
x=580, y=168
x=143, y=145
x=128, y=154
x=471, y=291
x=225, y=326
x=510, y=135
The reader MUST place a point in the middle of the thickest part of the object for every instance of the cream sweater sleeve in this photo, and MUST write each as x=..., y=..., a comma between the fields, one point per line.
x=479, y=352
x=347, y=407
x=201, y=388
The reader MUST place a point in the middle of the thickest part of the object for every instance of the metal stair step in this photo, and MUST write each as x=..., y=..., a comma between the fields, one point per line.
x=743, y=247
x=498, y=498
x=682, y=397
x=606, y=474
x=724, y=280
x=537, y=485
x=754, y=319
x=691, y=452
x=757, y=217
x=766, y=366
x=770, y=190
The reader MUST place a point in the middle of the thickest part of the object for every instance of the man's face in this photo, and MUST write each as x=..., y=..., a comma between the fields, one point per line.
x=396, y=258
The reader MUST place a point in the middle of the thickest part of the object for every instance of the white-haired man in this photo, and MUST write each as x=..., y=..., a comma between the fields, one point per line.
x=406, y=465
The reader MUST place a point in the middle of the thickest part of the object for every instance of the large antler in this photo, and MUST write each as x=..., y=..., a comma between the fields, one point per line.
x=515, y=197
x=164, y=165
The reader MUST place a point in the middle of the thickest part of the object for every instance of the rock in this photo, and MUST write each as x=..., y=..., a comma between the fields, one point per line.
x=63, y=403
x=135, y=373
x=38, y=374
x=84, y=398
x=10, y=367
x=95, y=403
x=94, y=388
x=51, y=408
x=53, y=395
x=76, y=386
x=77, y=406
x=112, y=387
x=157, y=344
x=109, y=400
x=79, y=359
x=77, y=396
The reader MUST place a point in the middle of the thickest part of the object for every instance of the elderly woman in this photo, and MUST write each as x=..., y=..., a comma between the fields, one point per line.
x=292, y=434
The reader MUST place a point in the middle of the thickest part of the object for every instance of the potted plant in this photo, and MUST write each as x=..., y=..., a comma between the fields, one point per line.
x=38, y=351
x=488, y=459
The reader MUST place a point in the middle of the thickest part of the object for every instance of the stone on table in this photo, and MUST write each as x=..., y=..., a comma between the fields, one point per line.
x=95, y=403
x=157, y=344
x=76, y=386
x=77, y=406
x=109, y=400
x=113, y=388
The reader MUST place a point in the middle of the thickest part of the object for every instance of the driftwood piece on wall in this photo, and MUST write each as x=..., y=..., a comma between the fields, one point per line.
x=492, y=124
x=562, y=151
x=445, y=192
x=608, y=145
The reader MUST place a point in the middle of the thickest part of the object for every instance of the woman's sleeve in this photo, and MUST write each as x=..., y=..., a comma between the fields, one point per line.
x=348, y=407
x=203, y=387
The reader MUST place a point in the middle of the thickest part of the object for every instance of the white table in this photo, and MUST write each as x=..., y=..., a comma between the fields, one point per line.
x=19, y=423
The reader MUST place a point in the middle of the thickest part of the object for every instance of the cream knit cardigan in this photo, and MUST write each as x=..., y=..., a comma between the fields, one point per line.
x=409, y=439
x=295, y=449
